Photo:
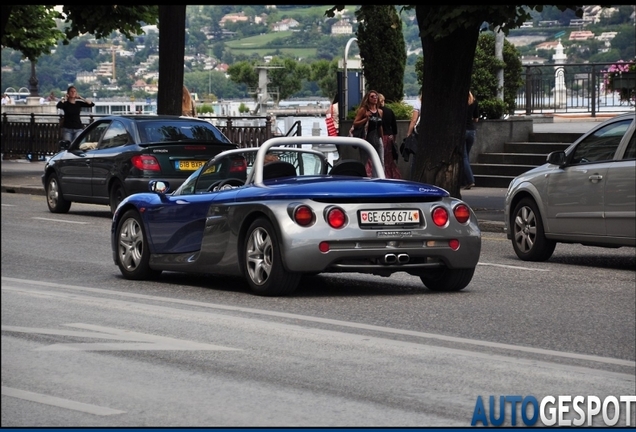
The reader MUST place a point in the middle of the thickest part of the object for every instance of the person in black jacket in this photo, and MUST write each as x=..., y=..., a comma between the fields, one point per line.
x=389, y=128
x=72, y=104
x=472, y=117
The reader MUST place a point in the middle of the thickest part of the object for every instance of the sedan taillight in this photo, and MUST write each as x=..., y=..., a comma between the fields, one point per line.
x=146, y=163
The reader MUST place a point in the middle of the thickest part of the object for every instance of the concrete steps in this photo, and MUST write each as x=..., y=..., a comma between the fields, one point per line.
x=498, y=169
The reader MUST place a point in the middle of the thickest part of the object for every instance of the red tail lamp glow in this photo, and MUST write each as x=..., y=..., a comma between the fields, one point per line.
x=303, y=216
x=146, y=163
x=323, y=247
x=453, y=244
x=462, y=213
x=336, y=218
x=440, y=216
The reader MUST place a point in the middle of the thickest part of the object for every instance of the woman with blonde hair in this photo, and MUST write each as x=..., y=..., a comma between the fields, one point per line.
x=188, y=108
x=369, y=116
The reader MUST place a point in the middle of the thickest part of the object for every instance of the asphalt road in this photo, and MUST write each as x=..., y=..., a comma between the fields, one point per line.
x=81, y=346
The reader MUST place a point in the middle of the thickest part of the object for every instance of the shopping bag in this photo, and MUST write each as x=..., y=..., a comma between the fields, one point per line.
x=409, y=146
x=331, y=126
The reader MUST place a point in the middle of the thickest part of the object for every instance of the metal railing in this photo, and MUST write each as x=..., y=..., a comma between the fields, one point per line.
x=38, y=135
x=568, y=88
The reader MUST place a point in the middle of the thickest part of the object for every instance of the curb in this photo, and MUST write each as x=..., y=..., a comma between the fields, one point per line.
x=484, y=225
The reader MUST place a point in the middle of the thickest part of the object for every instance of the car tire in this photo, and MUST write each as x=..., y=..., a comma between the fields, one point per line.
x=262, y=262
x=117, y=195
x=448, y=280
x=54, y=197
x=133, y=253
x=528, y=236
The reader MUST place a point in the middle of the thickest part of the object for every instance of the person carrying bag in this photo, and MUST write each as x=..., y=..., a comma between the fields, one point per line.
x=331, y=119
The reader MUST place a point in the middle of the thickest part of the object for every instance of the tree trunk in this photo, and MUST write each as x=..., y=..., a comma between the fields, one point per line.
x=171, y=53
x=448, y=64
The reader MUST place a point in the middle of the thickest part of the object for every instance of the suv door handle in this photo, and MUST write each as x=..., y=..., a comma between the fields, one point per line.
x=595, y=178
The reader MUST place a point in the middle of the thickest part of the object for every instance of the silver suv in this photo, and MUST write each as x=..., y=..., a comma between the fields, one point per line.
x=585, y=194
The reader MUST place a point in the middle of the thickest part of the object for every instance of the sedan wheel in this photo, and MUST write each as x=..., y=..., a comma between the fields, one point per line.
x=528, y=236
x=263, y=265
x=117, y=195
x=133, y=255
x=54, y=198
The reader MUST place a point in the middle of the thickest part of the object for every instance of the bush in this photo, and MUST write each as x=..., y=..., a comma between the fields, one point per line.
x=492, y=109
x=205, y=109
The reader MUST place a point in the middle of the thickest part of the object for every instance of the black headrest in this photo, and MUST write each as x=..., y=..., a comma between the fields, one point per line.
x=278, y=169
x=349, y=167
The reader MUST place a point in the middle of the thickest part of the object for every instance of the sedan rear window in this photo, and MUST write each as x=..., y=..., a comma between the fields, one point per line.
x=170, y=131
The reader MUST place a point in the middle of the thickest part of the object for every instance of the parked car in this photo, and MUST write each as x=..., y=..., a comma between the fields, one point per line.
x=116, y=156
x=272, y=222
x=585, y=194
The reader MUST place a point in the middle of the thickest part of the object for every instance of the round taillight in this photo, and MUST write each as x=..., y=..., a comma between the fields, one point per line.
x=440, y=216
x=323, y=247
x=453, y=244
x=303, y=216
x=462, y=213
x=336, y=218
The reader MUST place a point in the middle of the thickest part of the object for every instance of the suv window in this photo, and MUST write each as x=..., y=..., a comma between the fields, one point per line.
x=602, y=144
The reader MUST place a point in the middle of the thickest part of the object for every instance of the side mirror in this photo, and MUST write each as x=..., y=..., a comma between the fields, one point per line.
x=556, y=158
x=64, y=145
x=158, y=186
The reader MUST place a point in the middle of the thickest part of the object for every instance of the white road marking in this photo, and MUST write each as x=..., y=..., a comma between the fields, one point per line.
x=346, y=324
x=60, y=220
x=8, y=205
x=59, y=402
x=512, y=267
x=138, y=341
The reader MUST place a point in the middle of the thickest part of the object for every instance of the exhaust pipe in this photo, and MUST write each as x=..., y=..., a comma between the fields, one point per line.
x=403, y=258
x=390, y=259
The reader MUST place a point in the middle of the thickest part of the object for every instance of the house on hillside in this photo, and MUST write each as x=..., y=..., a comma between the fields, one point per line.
x=285, y=25
x=86, y=77
x=549, y=45
x=342, y=27
x=581, y=35
x=233, y=17
x=141, y=85
x=532, y=60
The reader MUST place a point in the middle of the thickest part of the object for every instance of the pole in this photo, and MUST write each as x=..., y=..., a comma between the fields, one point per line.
x=499, y=43
x=345, y=78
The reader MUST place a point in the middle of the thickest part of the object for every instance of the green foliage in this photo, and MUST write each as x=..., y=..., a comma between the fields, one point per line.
x=492, y=108
x=382, y=49
x=243, y=109
x=205, y=109
x=31, y=30
x=484, y=82
x=402, y=110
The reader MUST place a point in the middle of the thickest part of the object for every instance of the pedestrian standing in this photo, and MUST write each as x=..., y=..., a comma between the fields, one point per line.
x=472, y=117
x=71, y=104
x=370, y=114
x=414, y=128
x=389, y=137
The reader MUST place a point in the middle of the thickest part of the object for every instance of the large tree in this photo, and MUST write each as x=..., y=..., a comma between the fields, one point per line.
x=382, y=49
x=449, y=37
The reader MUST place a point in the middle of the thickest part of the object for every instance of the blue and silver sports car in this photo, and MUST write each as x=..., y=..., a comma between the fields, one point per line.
x=275, y=213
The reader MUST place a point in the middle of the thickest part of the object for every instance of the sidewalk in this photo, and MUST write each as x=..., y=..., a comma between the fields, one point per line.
x=24, y=177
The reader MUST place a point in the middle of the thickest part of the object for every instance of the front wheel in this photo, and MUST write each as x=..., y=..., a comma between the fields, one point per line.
x=528, y=235
x=262, y=262
x=133, y=254
x=447, y=280
x=54, y=198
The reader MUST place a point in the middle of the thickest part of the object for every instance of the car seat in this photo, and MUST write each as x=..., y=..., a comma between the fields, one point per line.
x=349, y=167
x=278, y=169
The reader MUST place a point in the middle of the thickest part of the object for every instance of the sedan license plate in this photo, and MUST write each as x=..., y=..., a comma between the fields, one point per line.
x=389, y=217
x=188, y=165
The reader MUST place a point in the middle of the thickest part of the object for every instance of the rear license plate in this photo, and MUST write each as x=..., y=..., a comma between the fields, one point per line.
x=186, y=165
x=389, y=217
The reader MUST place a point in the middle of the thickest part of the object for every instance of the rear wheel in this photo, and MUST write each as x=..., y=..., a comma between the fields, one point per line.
x=446, y=280
x=54, y=198
x=262, y=262
x=133, y=254
x=117, y=194
x=528, y=236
